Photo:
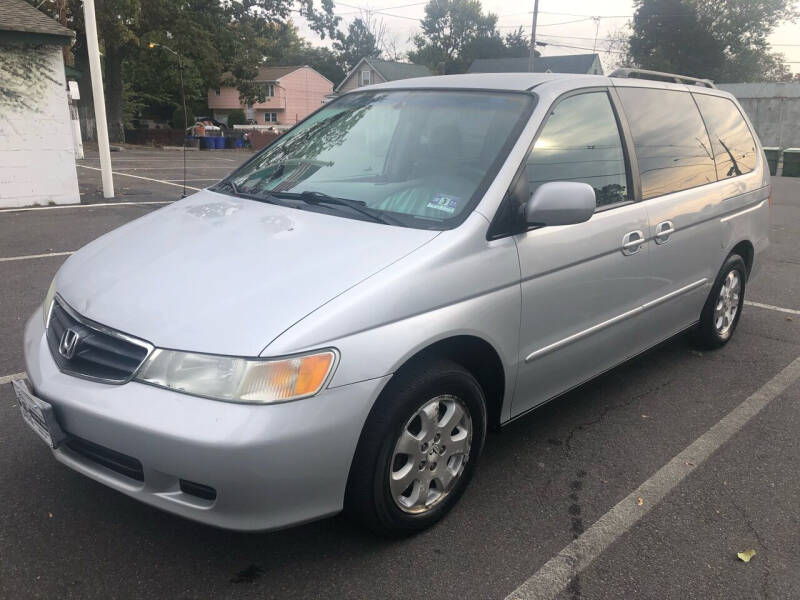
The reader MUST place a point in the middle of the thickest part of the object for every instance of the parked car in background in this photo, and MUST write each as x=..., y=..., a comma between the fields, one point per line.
x=338, y=323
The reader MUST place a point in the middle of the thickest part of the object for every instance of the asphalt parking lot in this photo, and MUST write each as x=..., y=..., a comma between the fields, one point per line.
x=731, y=481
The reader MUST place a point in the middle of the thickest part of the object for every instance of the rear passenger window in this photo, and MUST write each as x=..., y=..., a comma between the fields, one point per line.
x=672, y=146
x=733, y=144
x=581, y=142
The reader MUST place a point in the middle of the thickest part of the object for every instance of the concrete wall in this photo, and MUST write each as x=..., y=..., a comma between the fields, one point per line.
x=773, y=108
x=37, y=157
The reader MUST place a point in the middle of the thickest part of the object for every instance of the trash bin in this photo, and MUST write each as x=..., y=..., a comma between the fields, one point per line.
x=229, y=143
x=220, y=142
x=791, y=162
x=773, y=155
x=204, y=142
x=239, y=143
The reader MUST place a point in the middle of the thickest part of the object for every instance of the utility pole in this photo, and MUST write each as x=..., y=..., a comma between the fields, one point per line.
x=533, y=36
x=99, y=98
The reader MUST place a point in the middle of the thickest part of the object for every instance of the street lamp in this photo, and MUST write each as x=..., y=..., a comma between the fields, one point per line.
x=183, y=101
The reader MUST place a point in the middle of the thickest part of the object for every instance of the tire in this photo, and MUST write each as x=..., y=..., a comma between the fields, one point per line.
x=440, y=387
x=722, y=310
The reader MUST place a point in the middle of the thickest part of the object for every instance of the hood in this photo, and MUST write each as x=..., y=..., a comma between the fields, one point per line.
x=224, y=275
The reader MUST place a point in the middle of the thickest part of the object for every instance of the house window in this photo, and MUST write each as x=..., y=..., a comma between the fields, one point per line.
x=218, y=92
x=270, y=90
x=366, y=77
x=270, y=117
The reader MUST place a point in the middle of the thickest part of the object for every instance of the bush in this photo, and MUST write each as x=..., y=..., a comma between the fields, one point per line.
x=237, y=117
x=177, y=118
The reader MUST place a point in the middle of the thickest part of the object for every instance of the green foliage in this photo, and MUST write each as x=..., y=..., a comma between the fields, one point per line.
x=456, y=32
x=723, y=40
x=213, y=37
x=359, y=42
x=178, y=121
x=237, y=117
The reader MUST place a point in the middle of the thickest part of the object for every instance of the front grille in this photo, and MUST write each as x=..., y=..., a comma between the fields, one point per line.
x=110, y=459
x=99, y=353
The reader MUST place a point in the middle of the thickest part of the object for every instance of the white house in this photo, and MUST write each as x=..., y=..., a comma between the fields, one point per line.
x=37, y=156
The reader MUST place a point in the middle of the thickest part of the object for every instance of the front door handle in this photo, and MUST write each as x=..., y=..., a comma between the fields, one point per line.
x=663, y=231
x=632, y=242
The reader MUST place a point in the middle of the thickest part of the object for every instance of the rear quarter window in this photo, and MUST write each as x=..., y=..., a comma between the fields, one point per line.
x=672, y=147
x=733, y=144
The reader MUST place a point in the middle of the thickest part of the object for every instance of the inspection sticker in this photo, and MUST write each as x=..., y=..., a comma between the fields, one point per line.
x=444, y=203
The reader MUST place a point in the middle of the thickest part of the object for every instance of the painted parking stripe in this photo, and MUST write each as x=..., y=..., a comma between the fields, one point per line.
x=97, y=204
x=549, y=581
x=140, y=177
x=10, y=378
x=789, y=311
x=30, y=256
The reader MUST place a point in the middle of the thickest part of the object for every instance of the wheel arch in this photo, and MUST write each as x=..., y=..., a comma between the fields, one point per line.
x=478, y=357
x=746, y=250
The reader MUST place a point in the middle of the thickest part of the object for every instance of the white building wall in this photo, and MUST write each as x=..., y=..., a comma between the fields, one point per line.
x=37, y=158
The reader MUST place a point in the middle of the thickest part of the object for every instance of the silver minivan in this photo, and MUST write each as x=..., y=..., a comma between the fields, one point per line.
x=338, y=323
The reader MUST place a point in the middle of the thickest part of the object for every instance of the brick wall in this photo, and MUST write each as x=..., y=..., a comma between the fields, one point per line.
x=37, y=158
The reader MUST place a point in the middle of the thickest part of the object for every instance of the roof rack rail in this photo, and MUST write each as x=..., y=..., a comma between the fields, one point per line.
x=659, y=76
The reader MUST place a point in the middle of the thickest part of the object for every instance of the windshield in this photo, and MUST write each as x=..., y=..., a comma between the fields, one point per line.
x=414, y=158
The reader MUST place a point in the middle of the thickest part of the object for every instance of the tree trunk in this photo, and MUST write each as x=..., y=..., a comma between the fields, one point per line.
x=113, y=76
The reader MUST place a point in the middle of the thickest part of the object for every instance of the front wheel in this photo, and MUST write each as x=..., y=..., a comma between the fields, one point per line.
x=724, y=305
x=418, y=449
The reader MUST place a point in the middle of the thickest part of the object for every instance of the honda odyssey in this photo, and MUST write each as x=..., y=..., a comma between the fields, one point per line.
x=338, y=323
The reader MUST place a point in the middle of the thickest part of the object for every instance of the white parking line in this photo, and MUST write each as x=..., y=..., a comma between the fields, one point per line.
x=27, y=208
x=789, y=311
x=140, y=177
x=212, y=179
x=10, y=378
x=30, y=256
x=549, y=581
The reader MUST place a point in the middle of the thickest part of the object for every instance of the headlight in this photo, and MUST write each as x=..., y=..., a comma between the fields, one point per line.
x=48, y=301
x=252, y=381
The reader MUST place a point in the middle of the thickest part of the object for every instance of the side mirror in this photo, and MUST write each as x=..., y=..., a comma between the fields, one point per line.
x=560, y=203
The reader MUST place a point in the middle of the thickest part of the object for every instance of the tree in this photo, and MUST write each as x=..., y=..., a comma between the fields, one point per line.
x=321, y=59
x=456, y=32
x=453, y=31
x=518, y=43
x=359, y=42
x=237, y=117
x=723, y=40
x=213, y=37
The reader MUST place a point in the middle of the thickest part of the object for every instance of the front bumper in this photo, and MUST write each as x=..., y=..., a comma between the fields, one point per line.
x=271, y=466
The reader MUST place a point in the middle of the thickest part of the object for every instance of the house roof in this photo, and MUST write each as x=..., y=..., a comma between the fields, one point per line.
x=20, y=17
x=570, y=63
x=390, y=70
x=266, y=73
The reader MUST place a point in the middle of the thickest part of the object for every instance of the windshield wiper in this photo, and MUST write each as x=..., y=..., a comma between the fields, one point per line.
x=269, y=198
x=358, y=206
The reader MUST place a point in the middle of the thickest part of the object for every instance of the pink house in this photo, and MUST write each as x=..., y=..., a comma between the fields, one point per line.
x=292, y=93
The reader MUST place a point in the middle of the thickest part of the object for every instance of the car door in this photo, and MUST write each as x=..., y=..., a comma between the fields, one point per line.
x=683, y=203
x=582, y=285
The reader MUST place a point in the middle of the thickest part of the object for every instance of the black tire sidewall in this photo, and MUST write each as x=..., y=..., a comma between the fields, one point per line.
x=402, y=398
x=708, y=332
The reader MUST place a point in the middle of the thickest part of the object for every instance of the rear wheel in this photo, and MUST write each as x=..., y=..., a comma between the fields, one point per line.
x=724, y=305
x=418, y=449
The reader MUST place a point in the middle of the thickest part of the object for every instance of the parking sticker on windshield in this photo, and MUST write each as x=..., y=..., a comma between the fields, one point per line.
x=444, y=203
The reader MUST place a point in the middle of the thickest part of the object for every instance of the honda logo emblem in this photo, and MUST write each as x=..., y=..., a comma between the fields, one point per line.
x=68, y=344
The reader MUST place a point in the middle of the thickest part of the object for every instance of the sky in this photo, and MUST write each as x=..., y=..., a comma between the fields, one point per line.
x=565, y=22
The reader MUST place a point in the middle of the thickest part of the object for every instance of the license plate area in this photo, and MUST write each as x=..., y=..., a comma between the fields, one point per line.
x=38, y=414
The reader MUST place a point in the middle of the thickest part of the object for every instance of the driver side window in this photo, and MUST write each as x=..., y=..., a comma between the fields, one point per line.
x=581, y=142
